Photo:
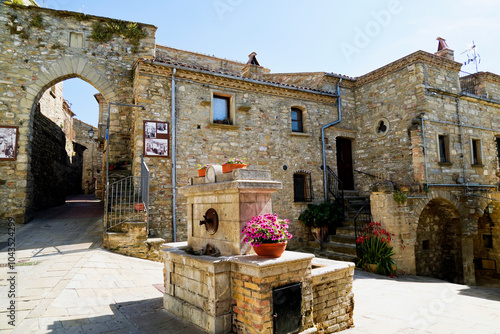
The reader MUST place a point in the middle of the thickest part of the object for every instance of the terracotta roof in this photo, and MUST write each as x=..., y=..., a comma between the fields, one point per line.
x=174, y=62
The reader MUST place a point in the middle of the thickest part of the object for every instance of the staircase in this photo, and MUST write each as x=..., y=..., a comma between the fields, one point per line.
x=126, y=218
x=342, y=245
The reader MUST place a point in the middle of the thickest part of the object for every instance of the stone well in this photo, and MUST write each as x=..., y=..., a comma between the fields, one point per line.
x=236, y=290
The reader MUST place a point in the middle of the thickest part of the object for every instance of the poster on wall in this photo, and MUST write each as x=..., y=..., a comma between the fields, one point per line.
x=156, y=135
x=8, y=142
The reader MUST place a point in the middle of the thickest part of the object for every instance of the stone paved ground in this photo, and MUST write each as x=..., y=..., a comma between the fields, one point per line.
x=413, y=304
x=67, y=284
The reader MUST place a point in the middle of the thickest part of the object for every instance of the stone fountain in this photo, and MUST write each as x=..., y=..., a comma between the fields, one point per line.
x=217, y=283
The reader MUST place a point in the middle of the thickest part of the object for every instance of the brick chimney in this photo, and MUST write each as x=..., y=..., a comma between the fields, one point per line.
x=444, y=50
x=252, y=69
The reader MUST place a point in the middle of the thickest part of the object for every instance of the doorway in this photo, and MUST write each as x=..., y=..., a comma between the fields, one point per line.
x=344, y=163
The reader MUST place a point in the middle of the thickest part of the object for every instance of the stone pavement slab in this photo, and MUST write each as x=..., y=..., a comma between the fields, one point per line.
x=413, y=304
x=66, y=283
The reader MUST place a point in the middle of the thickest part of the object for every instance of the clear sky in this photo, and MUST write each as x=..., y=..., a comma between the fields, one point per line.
x=344, y=37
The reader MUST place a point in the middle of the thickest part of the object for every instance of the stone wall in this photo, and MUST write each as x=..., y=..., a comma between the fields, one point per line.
x=55, y=174
x=333, y=296
x=35, y=57
x=92, y=156
x=201, y=60
x=261, y=133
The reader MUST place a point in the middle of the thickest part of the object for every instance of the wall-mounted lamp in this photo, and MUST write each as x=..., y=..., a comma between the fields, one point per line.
x=489, y=208
x=91, y=133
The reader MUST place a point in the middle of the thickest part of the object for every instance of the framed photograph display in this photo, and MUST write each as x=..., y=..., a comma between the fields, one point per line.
x=156, y=139
x=8, y=142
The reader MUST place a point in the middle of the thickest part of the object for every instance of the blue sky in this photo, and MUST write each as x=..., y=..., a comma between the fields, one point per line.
x=345, y=37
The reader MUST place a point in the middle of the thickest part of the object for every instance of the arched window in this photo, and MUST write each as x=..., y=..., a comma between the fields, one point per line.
x=302, y=187
x=297, y=120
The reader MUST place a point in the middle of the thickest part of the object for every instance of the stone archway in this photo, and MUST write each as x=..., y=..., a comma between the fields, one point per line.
x=37, y=56
x=487, y=245
x=438, y=250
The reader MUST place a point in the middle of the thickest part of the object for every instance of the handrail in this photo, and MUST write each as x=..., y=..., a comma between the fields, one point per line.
x=335, y=187
x=127, y=199
x=364, y=214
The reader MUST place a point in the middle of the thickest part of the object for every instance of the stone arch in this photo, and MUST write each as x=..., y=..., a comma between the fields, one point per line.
x=438, y=247
x=67, y=68
x=436, y=194
x=48, y=75
x=487, y=242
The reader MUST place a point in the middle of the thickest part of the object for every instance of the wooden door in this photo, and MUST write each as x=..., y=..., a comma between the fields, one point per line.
x=344, y=163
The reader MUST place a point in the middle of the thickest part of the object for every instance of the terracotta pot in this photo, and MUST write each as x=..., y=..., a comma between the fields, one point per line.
x=202, y=172
x=228, y=168
x=270, y=250
x=139, y=206
x=319, y=233
x=372, y=267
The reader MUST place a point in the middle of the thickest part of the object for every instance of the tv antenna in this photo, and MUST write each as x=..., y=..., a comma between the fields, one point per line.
x=474, y=57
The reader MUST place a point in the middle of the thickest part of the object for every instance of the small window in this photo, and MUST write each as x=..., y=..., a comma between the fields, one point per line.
x=444, y=149
x=302, y=187
x=221, y=109
x=297, y=123
x=477, y=158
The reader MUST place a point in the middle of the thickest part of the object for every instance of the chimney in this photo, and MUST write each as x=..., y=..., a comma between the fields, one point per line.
x=443, y=49
x=252, y=69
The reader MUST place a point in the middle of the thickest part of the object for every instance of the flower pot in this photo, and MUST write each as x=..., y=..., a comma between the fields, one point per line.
x=319, y=233
x=372, y=267
x=202, y=172
x=270, y=250
x=139, y=206
x=228, y=168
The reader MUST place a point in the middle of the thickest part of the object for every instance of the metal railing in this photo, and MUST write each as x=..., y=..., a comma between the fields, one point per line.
x=468, y=83
x=362, y=218
x=128, y=199
x=335, y=187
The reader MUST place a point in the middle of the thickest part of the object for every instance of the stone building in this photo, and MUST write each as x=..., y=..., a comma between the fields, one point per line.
x=415, y=126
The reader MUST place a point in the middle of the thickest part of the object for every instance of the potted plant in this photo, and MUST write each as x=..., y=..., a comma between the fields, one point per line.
x=233, y=163
x=202, y=169
x=321, y=218
x=374, y=252
x=267, y=234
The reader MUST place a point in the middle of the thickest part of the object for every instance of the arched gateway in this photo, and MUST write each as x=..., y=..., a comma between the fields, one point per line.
x=41, y=47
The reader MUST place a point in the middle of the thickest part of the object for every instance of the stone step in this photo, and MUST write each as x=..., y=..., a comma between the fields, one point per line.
x=351, y=193
x=342, y=238
x=346, y=230
x=337, y=247
x=329, y=254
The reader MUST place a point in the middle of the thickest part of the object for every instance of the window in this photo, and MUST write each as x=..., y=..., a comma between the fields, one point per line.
x=444, y=150
x=221, y=109
x=297, y=123
x=477, y=158
x=302, y=187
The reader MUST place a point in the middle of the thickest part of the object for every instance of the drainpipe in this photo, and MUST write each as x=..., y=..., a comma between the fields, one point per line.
x=339, y=111
x=174, y=161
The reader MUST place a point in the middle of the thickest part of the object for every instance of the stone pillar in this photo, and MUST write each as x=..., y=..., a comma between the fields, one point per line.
x=236, y=197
